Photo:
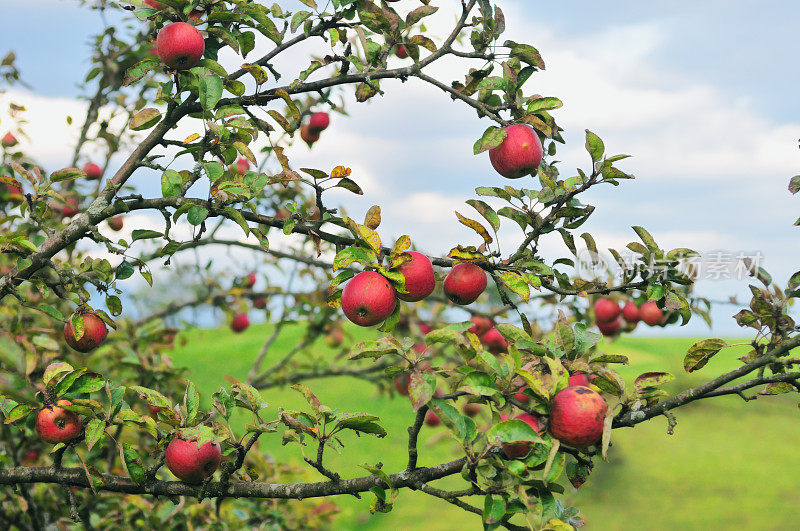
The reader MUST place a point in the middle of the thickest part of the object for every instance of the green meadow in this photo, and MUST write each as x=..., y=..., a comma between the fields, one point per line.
x=728, y=465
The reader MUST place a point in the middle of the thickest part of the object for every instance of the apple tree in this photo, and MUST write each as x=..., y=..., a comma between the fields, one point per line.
x=100, y=426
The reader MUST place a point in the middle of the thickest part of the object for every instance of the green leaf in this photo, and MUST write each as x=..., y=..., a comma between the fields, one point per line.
x=361, y=422
x=652, y=379
x=154, y=398
x=544, y=104
x=210, y=91
x=197, y=215
x=54, y=371
x=191, y=400
x=52, y=312
x=66, y=174
x=298, y=19
x=124, y=270
x=479, y=384
x=512, y=431
x=594, y=146
x=515, y=283
x=145, y=234
x=88, y=383
x=350, y=255
x=94, y=430
x=18, y=412
x=701, y=352
x=491, y=138
x=138, y=71
x=171, y=183
x=145, y=119
x=133, y=463
x=794, y=184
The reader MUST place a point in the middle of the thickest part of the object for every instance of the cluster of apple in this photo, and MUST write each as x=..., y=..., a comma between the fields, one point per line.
x=609, y=316
x=317, y=123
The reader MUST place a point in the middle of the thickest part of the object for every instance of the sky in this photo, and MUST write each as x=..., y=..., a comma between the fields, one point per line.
x=701, y=94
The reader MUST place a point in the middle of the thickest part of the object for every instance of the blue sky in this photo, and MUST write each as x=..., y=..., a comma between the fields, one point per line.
x=702, y=94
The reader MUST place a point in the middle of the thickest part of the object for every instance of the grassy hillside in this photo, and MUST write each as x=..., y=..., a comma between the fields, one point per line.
x=728, y=465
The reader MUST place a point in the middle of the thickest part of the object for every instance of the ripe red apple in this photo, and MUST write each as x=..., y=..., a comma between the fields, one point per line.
x=242, y=165
x=418, y=273
x=519, y=154
x=401, y=383
x=651, y=314
x=335, y=338
x=193, y=463
x=31, y=456
x=368, y=299
x=605, y=310
x=481, y=325
x=155, y=4
x=465, y=283
x=471, y=409
x=494, y=341
x=92, y=171
x=260, y=302
x=579, y=378
x=610, y=329
x=400, y=51
x=631, y=312
x=55, y=424
x=8, y=140
x=240, y=322
x=424, y=328
x=283, y=214
x=308, y=136
x=520, y=396
x=70, y=207
x=319, y=121
x=115, y=223
x=94, y=333
x=249, y=281
x=432, y=419
x=576, y=416
x=180, y=45
x=521, y=449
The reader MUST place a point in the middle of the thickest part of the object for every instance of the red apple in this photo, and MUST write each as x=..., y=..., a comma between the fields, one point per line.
x=424, y=328
x=631, y=312
x=8, y=140
x=13, y=194
x=401, y=383
x=55, y=424
x=465, y=283
x=283, y=214
x=180, y=45
x=240, y=322
x=335, y=338
x=577, y=415
x=610, y=329
x=521, y=449
x=115, y=223
x=579, y=378
x=368, y=299
x=94, y=333
x=519, y=154
x=319, y=121
x=400, y=51
x=651, y=314
x=418, y=273
x=193, y=463
x=471, y=409
x=605, y=310
x=432, y=419
x=155, y=4
x=308, y=136
x=494, y=341
x=70, y=207
x=260, y=302
x=154, y=410
x=92, y=171
x=249, y=281
x=481, y=325
x=521, y=396
x=31, y=456
x=242, y=165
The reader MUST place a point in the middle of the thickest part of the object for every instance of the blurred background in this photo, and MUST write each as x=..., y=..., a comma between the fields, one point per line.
x=701, y=94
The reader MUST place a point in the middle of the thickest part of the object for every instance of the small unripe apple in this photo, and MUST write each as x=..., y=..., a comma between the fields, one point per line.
x=519, y=154
x=94, y=333
x=319, y=121
x=631, y=312
x=651, y=314
x=605, y=310
x=115, y=223
x=401, y=383
x=55, y=424
x=368, y=299
x=8, y=140
x=92, y=171
x=260, y=302
x=494, y=341
x=432, y=419
x=308, y=136
x=521, y=396
x=335, y=338
x=610, y=329
x=481, y=325
x=240, y=322
x=465, y=283
x=242, y=165
x=400, y=51
x=521, y=449
x=579, y=378
x=471, y=409
x=192, y=463
x=420, y=281
x=577, y=414
x=180, y=45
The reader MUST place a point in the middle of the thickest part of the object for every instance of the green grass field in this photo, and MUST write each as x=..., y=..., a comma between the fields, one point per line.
x=729, y=465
